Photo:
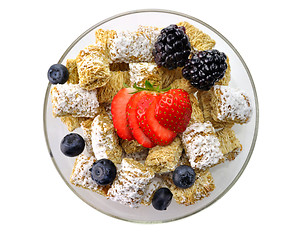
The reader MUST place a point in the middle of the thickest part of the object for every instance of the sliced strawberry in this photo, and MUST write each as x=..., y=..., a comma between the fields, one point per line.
x=131, y=113
x=151, y=127
x=118, y=111
x=173, y=110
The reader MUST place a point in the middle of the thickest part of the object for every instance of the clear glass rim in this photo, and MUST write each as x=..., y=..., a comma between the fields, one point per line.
x=216, y=32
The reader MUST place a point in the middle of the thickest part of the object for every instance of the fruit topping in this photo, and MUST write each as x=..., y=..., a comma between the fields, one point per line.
x=205, y=68
x=153, y=129
x=72, y=145
x=173, y=110
x=118, y=111
x=58, y=74
x=172, y=47
x=131, y=113
x=184, y=176
x=103, y=172
x=162, y=199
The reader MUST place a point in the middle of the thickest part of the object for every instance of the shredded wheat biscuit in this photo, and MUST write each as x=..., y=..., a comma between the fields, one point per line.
x=72, y=122
x=203, y=185
x=103, y=38
x=93, y=67
x=73, y=73
x=86, y=127
x=227, y=77
x=197, y=115
x=105, y=142
x=81, y=176
x=129, y=186
x=229, y=143
x=183, y=84
x=198, y=39
x=169, y=76
x=131, y=146
x=164, y=158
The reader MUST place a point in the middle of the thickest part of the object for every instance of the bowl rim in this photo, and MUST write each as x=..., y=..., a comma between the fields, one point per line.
x=213, y=30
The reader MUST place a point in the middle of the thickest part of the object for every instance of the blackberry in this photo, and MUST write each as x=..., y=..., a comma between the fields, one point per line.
x=205, y=68
x=172, y=47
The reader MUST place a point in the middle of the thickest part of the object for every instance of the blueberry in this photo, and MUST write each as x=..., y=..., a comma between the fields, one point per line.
x=103, y=172
x=58, y=73
x=162, y=199
x=72, y=145
x=184, y=176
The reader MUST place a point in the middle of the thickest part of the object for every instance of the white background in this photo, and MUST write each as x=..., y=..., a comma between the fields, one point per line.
x=268, y=200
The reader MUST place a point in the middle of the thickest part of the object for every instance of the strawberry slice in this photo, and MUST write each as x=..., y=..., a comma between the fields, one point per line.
x=118, y=111
x=173, y=110
x=151, y=127
x=131, y=113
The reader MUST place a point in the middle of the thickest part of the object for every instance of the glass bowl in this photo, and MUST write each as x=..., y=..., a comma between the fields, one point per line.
x=225, y=175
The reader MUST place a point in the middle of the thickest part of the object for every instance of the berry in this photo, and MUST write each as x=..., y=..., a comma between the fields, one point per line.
x=172, y=47
x=131, y=114
x=162, y=199
x=184, y=176
x=103, y=172
x=72, y=145
x=58, y=73
x=173, y=110
x=153, y=129
x=118, y=111
x=205, y=68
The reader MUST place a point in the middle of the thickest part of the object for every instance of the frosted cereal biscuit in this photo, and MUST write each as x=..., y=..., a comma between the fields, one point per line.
x=204, y=98
x=227, y=77
x=116, y=83
x=184, y=84
x=72, y=122
x=201, y=145
x=81, y=176
x=137, y=46
x=86, y=127
x=129, y=186
x=164, y=159
x=72, y=100
x=72, y=69
x=229, y=143
x=199, y=40
x=142, y=72
x=230, y=105
x=202, y=187
x=93, y=67
x=197, y=115
x=150, y=190
x=105, y=142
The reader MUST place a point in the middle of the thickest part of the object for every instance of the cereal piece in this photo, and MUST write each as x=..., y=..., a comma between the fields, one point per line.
x=131, y=146
x=106, y=93
x=129, y=186
x=72, y=100
x=199, y=40
x=93, y=67
x=103, y=38
x=203, y=185
x=86, y=127
x=183, y=84
x=150, y=190
x=73, y=73
x=105, y=142
x=72, y=122
x=229, y=143
x=123, y=67
x=81, y=176
x=135, y=46
x=204, y=98
x=169, y=76
x=230, y=105
x=164, y=159
x=227, y=77
x=197, y=115
x=202, y=145
x=141, y=72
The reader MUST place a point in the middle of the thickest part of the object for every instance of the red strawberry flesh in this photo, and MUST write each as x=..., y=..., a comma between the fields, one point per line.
x=118, y=111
